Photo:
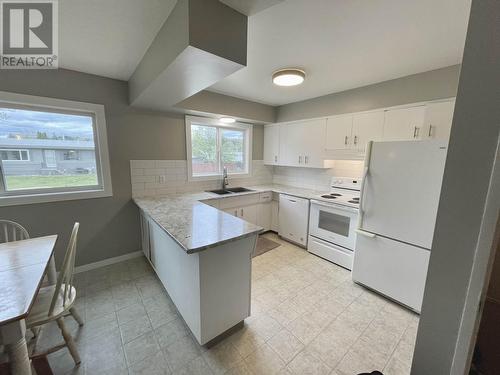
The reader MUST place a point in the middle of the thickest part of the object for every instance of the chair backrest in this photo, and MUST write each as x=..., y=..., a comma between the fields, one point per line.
x=65, y=278
x=12, y=231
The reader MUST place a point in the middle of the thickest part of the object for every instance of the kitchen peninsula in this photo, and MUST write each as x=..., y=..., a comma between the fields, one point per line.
x=203, y=258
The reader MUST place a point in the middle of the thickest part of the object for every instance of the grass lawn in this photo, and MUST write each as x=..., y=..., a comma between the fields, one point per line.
x=33, y=182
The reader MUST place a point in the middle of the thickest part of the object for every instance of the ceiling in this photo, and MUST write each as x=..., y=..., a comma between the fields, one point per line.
x=108, y=37
x=341, y=44
x=346, y=44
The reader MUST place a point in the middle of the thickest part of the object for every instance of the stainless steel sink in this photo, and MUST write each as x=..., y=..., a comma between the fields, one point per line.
x=234, y=190
x=238, y=190
x=219, y=191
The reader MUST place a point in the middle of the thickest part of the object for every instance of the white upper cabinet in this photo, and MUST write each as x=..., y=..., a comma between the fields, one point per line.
x=314, y=143
x=302, y=144
x=290, y=144
x=367, y=127
x=339, y=132
x=272, y=144
x=438, y=119
x=404, y=124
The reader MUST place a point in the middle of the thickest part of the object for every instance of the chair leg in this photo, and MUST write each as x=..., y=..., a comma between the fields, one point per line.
x=75, y=316
x=69, y=341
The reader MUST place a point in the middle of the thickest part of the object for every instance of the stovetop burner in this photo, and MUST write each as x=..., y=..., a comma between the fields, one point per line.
x=329, y=196
x=354, y=201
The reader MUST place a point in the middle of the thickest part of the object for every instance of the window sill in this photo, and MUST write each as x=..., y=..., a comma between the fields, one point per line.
x=17, y=200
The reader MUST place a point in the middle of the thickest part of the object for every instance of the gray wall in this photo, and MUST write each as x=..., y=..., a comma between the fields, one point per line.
x=471, y=154
x=211, y=102
x=435, y=84
x=109, y=226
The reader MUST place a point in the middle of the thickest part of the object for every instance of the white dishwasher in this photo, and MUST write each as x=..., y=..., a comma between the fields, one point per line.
x=294, y=219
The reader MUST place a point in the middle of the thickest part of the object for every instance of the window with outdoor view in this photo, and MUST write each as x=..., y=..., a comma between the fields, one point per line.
x=47, y=150
x=213, y=146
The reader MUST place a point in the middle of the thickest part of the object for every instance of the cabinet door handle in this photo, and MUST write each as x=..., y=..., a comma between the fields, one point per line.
x=306, y=159
x=300, y=159
x=291, y=200
x=355, y=139
x=241, y=212
x=275, y=158
x=236, y=213
x=345, y=140
x=415, y=132
x=430, y=130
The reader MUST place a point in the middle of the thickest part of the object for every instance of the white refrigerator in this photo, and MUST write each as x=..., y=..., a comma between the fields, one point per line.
x=399, y=201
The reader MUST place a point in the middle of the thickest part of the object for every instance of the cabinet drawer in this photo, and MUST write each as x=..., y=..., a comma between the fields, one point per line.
x=265, y=197
x=243, y=200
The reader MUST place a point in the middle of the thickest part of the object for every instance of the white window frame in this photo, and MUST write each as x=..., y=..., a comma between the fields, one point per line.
x=195, y=120
x=102, y=189
x=18, y=150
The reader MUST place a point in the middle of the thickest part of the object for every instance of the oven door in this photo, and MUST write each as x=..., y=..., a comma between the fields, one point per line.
x=333, y=223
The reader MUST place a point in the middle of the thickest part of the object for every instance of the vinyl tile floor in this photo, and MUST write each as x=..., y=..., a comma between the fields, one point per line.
x=308, y=317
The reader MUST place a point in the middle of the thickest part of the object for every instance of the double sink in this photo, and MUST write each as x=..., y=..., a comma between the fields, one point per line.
x=234, y=190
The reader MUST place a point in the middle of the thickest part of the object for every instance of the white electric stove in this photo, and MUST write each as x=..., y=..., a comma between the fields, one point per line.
x=333, y=221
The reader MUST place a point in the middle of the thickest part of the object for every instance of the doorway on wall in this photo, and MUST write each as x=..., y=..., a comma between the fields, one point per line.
x=486, y=358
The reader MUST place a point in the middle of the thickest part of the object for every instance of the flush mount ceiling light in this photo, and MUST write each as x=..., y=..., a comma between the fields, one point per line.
x=289, y=77
x=227, y=120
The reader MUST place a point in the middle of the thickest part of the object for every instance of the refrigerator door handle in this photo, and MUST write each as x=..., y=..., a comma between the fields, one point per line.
x=366, y=234
x=365, y=175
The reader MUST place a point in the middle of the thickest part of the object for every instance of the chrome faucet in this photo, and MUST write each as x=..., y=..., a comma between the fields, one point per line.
x=225, y=182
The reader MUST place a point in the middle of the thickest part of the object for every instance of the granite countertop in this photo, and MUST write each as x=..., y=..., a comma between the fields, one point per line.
x=196, y=226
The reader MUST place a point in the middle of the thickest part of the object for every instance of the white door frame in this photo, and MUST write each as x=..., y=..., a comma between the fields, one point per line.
x=480, y=275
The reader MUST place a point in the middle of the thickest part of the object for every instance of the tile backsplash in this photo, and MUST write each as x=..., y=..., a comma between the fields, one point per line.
x=317, y=179
x=161, y=177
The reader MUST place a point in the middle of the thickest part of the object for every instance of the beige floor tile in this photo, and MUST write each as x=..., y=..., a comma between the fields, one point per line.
x=170, y=332
x=284, y=313
x=361, y=358
x=264, y=361
x=160, y=317
x=135, y=328
x=222, y=357
x=265, y=326
x=131, y=313
x=395, y=367
x=141, y=348
x=303, y=330
x=240, y=369
x=286, y=345
x=197, y=366
x=315, y=300
x=330, y=348
x=181, y=352
x=306, y=363
x=151, y=365
x=246, y=341
x=404, y=352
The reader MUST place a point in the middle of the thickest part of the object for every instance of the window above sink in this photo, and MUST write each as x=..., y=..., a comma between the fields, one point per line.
x=212, y=145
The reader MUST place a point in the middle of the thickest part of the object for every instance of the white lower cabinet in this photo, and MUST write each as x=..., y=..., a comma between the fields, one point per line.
x=254, y=208
x=211, y=288
x=293, y=218
x=145, y=242
x=275, y=215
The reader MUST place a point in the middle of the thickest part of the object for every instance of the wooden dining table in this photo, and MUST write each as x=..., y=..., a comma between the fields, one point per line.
x=23, y=265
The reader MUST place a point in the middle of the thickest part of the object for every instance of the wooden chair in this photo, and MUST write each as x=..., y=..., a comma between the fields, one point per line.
x=11, y=231
x=54, y=302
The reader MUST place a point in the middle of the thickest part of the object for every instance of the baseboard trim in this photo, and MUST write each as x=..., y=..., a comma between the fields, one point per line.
x=107, y=262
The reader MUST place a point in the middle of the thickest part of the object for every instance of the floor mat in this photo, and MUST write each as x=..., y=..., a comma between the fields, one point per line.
x=264, y=245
